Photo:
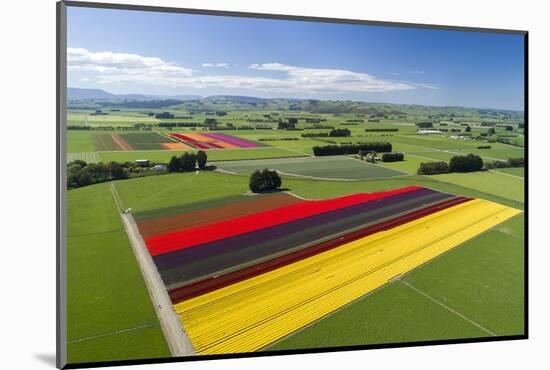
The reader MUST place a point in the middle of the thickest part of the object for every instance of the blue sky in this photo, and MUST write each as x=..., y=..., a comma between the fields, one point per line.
x=124, y=51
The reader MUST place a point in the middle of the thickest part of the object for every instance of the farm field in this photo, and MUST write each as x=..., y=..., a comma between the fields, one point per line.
x=213, y=155
x=516, y=171
x=110, y=315
x=487, y=182
x=456, y=325
x=341, y=167
x=248, y=315
x=214, y=141
x=348, y=253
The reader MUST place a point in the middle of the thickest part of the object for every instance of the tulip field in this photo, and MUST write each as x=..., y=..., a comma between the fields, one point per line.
x=214, y=141
x=245, y=273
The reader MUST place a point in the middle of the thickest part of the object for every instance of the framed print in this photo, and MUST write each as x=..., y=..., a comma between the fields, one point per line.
x=236, y=184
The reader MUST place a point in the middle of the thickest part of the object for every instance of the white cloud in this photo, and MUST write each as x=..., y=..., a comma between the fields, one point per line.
x=215, y=65
x=334, y=80
x=122, y=64
x=110, y=67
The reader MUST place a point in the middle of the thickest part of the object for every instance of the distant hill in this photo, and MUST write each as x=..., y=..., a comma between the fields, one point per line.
x=97, y=99
x=78, y=94
x=74, y=93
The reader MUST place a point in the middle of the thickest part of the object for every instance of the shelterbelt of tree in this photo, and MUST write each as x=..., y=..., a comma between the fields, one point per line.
x=225, y=255
x=253, y=313
x=169, y=242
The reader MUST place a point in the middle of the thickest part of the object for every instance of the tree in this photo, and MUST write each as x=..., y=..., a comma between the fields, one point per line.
x=264, y=180
x=210, y=122
x=84, y=178
x=174, y=164
x=344, y=132
x=188, y=162
x=425, y=124
x=468, y=128
x=466, y=163
x=201, y=159
x=491, y=131
x=116, y=171
x=432, y=168
x=392, y=157
x=78, y=162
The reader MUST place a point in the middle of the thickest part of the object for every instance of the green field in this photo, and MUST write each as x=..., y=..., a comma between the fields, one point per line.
x=487, y=182
x=109, y=313
x=80, y=141
x=334, y=167
x=515, y=171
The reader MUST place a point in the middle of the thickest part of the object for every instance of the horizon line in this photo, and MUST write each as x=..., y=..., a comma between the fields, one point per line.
x=291, y=98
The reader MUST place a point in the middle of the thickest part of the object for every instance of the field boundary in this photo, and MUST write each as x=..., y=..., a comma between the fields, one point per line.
x=507, y=174
x=176, y=338
x=448, y=308
x=78, y=340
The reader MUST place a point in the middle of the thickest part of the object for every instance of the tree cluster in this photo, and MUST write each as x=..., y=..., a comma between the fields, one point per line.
x=425, y=124
x=466, y=163
x=382, y=147
x=164, y=115
x=392, y=157
x=264, y=180
x=432, y=168
x=80, y=173
x=511, y=162
x=290, y=123
x=340, y=132
x=188, y=162
x=381, y=129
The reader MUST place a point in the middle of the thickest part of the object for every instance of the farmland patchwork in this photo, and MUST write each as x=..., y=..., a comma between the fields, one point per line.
x=245, y=271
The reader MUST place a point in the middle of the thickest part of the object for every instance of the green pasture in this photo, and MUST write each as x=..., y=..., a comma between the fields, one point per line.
x=488, y=182
x=331, y=167
x=515, y=171
x=109, y=312
x=163, y=156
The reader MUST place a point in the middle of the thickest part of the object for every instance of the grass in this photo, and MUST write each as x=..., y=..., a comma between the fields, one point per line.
x=145, y=140
x=487, y=182
x=154, y=192
x=88, y=157
x=391, y=314
x=482, y=280
x=80, y=141
x=106, y=292
x=333, y=167
x=164, y=156
x=105, y=142
x=515, y=171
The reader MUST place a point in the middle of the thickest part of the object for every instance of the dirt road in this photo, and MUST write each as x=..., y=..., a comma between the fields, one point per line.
x=176, y=338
